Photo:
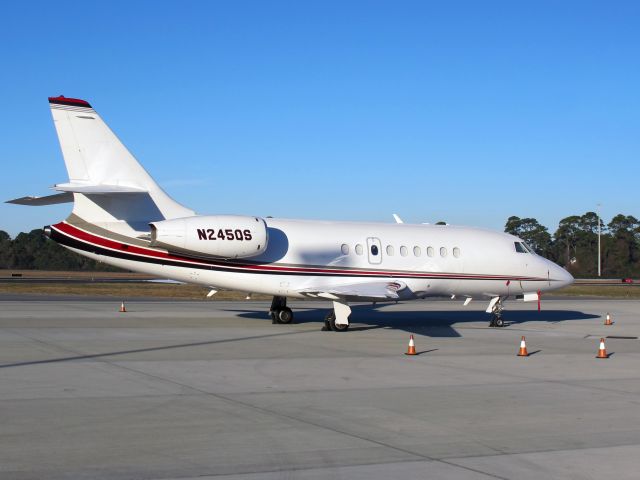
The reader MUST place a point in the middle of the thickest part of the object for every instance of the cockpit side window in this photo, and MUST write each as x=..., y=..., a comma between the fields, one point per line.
x=520, y=248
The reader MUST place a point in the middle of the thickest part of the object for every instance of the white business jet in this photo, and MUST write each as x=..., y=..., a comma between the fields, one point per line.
x=123, y=218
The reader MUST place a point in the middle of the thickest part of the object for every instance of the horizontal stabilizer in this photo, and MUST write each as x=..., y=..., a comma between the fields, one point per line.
x=65, y=197
x=96, y=189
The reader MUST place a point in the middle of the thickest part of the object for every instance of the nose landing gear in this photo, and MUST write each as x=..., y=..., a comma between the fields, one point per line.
x=495, y=308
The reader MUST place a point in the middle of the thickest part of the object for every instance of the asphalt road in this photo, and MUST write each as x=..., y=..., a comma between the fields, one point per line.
x=213, y=389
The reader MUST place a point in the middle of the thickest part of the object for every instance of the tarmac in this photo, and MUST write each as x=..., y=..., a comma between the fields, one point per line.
x=196, y=389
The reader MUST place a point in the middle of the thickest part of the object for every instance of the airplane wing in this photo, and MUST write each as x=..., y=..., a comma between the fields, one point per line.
x=365, y=291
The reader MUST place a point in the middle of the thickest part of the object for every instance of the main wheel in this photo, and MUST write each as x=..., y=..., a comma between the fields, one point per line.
x=499, y=322
x=336, y=327
x=285, y=315
x=328, y=319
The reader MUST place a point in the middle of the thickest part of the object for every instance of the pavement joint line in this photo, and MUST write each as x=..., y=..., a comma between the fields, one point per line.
x=230, y=400
x=543, y=450
x=350, y=465
x=315, y=424
x=80, y=356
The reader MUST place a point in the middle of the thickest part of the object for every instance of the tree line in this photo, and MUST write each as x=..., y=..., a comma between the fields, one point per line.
x=574, y=245
x=34, y=251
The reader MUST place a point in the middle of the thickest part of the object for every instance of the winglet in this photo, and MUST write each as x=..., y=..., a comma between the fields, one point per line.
x=397, y=218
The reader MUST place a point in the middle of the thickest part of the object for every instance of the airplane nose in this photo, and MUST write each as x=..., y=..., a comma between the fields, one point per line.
x=562, y=275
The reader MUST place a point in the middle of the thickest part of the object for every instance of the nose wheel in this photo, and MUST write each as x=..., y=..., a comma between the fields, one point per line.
x=496, y=321
x=279, y=311
x=496, y=314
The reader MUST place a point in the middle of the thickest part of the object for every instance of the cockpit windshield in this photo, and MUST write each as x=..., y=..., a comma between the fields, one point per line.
x=521, y=247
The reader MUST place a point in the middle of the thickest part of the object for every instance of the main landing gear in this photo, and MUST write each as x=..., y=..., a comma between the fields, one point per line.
x=279, y=311
x=495, y=308
x=337, y=319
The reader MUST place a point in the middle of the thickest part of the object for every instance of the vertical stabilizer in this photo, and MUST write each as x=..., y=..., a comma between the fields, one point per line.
x=97, y=161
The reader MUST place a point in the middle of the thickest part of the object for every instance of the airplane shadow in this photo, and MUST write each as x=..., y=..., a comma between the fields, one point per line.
x=433, y=323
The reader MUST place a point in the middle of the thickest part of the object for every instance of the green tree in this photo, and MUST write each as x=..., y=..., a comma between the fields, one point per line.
x=576, y=243
x=532, y=232
x=622, y=251
x=30, y=251
x=5, y=249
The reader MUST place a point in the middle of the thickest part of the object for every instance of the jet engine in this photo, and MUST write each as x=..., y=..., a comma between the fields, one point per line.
x=220, y=236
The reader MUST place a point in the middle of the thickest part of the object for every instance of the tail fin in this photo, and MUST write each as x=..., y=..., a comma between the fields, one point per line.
x=108, y=183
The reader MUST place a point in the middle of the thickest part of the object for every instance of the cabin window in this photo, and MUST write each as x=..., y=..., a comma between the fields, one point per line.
x=359, y=249
x=520, y=247
x=374, y=250
x=390, y=250
x=345, y=249
x=443, y=252
x=403, y=251
x=430, y=251
x=417, y=251
x=456, y=252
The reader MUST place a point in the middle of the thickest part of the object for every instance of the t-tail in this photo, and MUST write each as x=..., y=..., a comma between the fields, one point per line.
x=108, y=186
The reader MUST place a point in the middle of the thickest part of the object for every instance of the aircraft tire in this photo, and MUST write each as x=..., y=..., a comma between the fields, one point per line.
x=285, y=315
x=336, y=327
x=329, y=319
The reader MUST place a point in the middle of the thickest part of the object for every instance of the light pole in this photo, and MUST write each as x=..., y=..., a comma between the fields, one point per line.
x=599, y=231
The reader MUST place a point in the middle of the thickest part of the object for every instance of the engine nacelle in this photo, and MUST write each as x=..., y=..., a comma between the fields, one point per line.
x=221, y=236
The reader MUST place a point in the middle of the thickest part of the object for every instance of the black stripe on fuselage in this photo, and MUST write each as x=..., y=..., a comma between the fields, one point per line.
x=69, y=241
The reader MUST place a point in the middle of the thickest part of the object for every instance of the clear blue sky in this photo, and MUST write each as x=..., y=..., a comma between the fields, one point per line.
x=462, y=111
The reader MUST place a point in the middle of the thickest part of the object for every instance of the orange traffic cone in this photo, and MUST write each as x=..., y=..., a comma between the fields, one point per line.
x=602, y=351
x=523, y=348
x=122, y=308
x=608, y=321
x=412, y=347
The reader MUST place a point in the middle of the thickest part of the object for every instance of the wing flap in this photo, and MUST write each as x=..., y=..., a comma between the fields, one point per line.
x=377, y=290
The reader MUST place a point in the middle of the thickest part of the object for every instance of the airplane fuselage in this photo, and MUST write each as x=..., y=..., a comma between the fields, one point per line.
x=432, y=260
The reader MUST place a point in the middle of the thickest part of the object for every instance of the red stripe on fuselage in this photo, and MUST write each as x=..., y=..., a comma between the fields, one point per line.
x=90, y=238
